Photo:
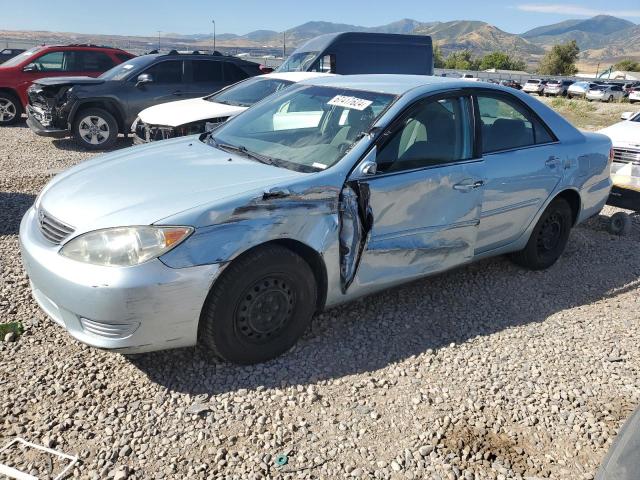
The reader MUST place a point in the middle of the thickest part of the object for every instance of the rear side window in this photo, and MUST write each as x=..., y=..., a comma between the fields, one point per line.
x=166, y=72
x=506, y=124
x=87, y=61
x=207, y=71
x=232, y=73
x=122, y=57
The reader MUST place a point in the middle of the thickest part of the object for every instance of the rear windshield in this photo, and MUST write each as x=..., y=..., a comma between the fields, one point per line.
x=18, y=59
x=245, y=94
x=554, y=82
x=533, y=81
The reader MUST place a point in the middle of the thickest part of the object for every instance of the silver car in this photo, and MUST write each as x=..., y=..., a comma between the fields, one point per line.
x=605, y=93
x=237, y=237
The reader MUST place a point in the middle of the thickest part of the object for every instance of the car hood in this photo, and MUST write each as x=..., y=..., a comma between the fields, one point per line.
x=54, y=81
x=173, y=114
x=142, y=185
x=623, y=134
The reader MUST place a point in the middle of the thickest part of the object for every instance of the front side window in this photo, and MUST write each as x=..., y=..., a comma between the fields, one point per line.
x=207, y=71
x=434, y=132
x=298, y=62
x=506, y=125
x=300, y=128
x=250, y=91
x=51, y=62
x=166, y=72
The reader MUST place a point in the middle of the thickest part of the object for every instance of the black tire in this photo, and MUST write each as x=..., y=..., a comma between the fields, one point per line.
x=260, y=306
x=569, y=96
x=610, y=99
x=548, y=238
x=95, y=129
x=620, y=224
x=10, y=109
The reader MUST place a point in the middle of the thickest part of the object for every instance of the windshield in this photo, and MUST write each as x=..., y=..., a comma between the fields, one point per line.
x=298, y=62
x=305, y=129
x=245, y=94
x=535, y=82
x=18, y=59
x=123, y=70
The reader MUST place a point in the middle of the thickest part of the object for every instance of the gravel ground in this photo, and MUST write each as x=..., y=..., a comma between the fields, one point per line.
x=488, y=371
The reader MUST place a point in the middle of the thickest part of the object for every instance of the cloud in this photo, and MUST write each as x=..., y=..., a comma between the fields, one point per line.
x=577, y=10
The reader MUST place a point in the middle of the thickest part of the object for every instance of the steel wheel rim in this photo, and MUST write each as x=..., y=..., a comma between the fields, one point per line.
x=8, y=110
x=94, y=130
x=264, y=310
x=550, y=234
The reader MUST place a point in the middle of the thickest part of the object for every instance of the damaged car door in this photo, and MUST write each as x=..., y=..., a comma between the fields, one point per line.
x=416, y=210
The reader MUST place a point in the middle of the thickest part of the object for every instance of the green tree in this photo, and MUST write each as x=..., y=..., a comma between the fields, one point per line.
x=461, y=61
x=560, y=60
x=438, y=59
x=501, y=61
x=627, y=66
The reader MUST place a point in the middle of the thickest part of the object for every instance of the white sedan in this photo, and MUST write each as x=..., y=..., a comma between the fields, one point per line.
x=198, y=115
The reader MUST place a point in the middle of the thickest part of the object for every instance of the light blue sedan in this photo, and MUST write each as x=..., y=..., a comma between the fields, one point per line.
x=327, y=191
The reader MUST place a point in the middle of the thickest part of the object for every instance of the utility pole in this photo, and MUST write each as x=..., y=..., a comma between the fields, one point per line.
x=159, y=32
x=284, y=45
x=214, y=34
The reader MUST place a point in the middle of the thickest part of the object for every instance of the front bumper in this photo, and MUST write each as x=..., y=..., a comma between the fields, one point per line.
x=34, y=119
x=130, y=309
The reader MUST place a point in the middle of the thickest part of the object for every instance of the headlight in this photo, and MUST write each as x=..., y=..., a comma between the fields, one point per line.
x=124, y=246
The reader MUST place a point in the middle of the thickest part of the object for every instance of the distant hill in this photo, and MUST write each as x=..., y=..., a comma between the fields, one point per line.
x=602, y=39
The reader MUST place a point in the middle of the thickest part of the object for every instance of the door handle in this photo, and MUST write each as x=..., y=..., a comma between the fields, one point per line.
x=467, y=187
x=552, y=162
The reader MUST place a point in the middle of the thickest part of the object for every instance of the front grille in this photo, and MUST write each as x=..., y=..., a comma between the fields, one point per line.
x=108, y=330
x=149, y=133
x=626, y=155
x=53, y=229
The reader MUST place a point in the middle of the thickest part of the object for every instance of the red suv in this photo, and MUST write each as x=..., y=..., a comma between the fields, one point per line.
x=17, y=74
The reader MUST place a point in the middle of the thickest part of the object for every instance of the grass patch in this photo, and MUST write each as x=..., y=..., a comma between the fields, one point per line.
x=15, y=327
x=579, y=108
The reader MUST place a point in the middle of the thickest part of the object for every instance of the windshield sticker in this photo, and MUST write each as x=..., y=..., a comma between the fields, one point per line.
x=345, y=101
x=127, y=67
x=321, y=166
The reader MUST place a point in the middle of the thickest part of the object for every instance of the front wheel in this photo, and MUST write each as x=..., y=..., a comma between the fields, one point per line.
x=548, y=238
x=260, y=306
x=95, y=129
x=10, y=109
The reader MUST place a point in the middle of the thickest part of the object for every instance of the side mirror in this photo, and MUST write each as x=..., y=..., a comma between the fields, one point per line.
x=32, y=67
x=367, y=167
x=144, y=78
x=626, y=115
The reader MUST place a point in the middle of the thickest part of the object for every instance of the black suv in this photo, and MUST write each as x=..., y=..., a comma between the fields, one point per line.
x=95, y=110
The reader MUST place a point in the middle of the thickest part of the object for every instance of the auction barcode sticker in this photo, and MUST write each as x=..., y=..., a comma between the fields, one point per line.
x=354, y=103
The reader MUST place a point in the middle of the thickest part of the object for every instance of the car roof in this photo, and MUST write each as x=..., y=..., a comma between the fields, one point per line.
x=297, y=76
x=388, y=83
x=183, y=56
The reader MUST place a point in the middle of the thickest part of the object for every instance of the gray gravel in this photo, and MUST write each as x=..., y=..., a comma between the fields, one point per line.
x=489, y=371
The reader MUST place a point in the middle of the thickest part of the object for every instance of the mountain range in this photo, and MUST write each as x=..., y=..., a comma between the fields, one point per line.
x=601, y=38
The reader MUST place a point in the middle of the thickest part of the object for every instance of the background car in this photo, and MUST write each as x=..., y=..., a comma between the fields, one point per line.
x=235, y=239
x=605, y=93
x=19, y=72
x=634, y=95
x=94, y=110
x=7, y=53
x=557, y=87
x=197, y=115
x=627, y=87
x=579, y=89
x=534, y=85
x=511, y=83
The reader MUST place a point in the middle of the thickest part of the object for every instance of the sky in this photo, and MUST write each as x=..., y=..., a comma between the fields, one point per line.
x=146, y=17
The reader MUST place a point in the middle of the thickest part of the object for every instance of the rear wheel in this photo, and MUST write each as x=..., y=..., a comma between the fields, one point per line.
x=549, y=237
x=10, y=109
x=95, y=129
x=260, y=306
x=610, y=99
